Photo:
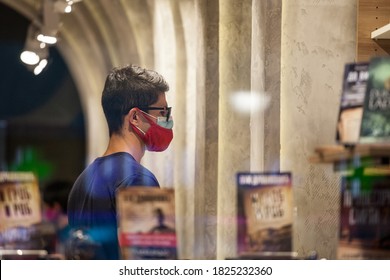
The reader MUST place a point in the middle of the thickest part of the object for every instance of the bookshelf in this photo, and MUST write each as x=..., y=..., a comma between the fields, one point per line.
x=363, y=220
x=375, y=158
x=381, y=33
x=373, y=29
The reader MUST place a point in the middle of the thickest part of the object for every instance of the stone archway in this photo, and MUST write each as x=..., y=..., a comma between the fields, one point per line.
x=95, y=37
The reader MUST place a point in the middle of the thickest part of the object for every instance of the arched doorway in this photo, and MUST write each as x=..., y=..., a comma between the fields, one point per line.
x=42, y=122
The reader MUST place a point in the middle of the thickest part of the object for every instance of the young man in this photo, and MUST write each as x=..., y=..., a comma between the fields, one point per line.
x=138, y=119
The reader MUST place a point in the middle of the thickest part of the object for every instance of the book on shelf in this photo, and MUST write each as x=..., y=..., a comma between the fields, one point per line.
x=20, y=210
x=146, y=219
x=375, y=125
x=351, y=105
x=20, y=200
x=364, y=231
x=264, y=213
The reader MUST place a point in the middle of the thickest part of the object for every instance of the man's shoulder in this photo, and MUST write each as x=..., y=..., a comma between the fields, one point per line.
x=111, y=163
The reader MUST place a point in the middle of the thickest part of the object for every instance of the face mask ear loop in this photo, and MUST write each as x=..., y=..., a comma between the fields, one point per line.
x=148, y=114
x=139, y=110
x=139, y=129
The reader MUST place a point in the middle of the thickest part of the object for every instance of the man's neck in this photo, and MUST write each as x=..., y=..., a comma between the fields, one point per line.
x=128, y=144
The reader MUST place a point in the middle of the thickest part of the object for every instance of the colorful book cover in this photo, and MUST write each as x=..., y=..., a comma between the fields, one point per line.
x=147, y=223
x=20, y=200
x=20, y=210
x=264, y=212
x=375, y=125
x=364, y=217
x=351, y=105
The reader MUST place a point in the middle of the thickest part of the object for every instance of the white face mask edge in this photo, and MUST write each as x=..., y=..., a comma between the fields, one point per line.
x=161, y=121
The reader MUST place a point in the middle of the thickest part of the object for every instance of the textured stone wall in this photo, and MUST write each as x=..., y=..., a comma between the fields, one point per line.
x=318, y=38
x=234, y=132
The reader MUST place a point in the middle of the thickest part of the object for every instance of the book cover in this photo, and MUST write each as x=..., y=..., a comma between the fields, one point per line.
x=264, y=213
x=375, y=125
x=364, y=217
x=146, y=223
x=20, y=200
x=352, y=100
x=20, y=210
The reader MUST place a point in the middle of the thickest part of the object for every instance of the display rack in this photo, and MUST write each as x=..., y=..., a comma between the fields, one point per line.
x=364, y=228
x=381, y=33
x=22, y=254
x=373, y=29
x=374, y=157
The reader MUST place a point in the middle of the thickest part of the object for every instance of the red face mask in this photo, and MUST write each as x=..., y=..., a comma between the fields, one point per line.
x=156, y=138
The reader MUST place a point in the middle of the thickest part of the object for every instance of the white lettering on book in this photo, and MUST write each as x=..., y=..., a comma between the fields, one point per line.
x=379, y=99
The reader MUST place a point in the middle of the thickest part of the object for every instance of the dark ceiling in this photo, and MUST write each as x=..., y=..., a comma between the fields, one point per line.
x=20, y=90
x=39, y=115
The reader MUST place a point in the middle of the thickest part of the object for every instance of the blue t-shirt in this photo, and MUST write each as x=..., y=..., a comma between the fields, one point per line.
x=92, y=205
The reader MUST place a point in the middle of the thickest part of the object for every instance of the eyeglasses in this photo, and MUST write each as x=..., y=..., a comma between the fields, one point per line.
x=166, y=110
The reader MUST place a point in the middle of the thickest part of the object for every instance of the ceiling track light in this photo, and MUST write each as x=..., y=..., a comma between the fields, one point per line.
x=64, y=6
x=34, y=53
x=29, y=57
x=39, y=68
x=51, y=23
x=33, y=50
x=51, y=40
x=43, y=34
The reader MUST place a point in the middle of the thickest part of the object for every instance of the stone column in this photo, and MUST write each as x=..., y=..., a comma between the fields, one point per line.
x=185, y=107
x=206, y=148
x=272, y=48
x=165, y=62
x=234, y=131
x=318, y=38
x=258, y=86
x=265, y=85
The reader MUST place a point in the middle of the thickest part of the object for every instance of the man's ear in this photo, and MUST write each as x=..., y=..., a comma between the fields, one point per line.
x=133, y=116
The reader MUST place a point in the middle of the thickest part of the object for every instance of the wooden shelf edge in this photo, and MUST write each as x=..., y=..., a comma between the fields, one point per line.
x=381, y=33
x=369, y=153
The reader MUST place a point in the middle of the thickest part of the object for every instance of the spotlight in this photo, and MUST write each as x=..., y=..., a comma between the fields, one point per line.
x=68, y=9
x=51, y=23
x=43, y=60
x=29, y=57
x=64, y=6
x=33, y=51
x=51, y=40
x=41, y=65
x=38, y=67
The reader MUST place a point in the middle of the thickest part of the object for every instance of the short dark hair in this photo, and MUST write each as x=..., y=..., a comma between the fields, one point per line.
x=128, y=87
